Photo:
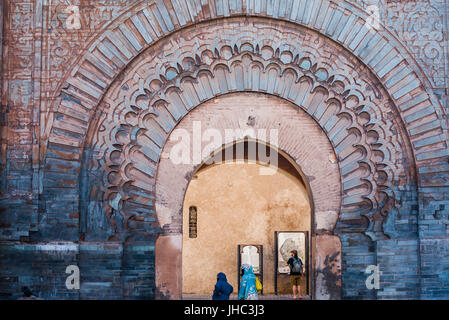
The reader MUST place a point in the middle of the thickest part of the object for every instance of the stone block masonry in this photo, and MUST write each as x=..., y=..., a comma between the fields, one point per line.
x=107, y=270
x=86, y=112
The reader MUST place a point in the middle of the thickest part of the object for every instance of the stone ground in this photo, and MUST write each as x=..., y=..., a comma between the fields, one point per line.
x=234, y=297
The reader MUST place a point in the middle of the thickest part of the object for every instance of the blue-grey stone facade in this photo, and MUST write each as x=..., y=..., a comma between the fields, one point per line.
x=79, y=177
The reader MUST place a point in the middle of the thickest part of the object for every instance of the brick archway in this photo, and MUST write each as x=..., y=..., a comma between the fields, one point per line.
x=253, y=195
x=374, y=113
x=310, y=152
x=92, y=90
x=346, y=101
x=134, y=32
x=343, y=97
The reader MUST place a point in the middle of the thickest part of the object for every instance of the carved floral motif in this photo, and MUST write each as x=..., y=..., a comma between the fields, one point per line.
x=155, y=92
x=66, y=44
x=419, y=24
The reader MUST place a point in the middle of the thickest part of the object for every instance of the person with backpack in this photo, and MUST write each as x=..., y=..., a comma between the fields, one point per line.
x=296, y=271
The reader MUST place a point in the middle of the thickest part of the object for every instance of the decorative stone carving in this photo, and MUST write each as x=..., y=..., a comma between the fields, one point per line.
x=76, y=108
x=420, y=26
x=156, y=92
x=63, y=45
x=377, y=49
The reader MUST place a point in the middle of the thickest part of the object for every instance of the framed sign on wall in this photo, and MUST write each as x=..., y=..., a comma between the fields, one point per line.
x=285, y=242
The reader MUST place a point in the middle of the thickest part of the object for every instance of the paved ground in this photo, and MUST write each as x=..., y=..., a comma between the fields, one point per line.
x=234, y=297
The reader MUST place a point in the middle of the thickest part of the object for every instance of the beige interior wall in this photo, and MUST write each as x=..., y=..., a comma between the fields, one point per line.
x=237, y=205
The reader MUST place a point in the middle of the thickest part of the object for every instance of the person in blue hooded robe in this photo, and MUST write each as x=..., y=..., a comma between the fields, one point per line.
x=222, y=289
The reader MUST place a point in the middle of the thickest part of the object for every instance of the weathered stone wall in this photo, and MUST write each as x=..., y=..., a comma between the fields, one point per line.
x=46, y=115
x=108, y=270
x=40, y=266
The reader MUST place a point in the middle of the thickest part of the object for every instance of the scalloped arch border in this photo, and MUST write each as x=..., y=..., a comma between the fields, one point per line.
x=344, y=23
x=282, y=87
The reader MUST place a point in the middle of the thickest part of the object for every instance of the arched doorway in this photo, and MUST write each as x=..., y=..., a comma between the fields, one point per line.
x=310, y=151
x=242, y=201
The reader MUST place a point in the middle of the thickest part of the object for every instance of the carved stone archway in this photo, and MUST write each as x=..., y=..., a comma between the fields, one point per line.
x=118, y=108
x=310, y=152
x=155, y=93
x=345, y=100
x=132, y=33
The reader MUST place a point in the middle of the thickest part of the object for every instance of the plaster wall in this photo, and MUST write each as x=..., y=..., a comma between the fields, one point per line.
x=236, y=205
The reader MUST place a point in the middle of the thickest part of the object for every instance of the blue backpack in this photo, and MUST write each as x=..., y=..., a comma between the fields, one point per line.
x=297, y=264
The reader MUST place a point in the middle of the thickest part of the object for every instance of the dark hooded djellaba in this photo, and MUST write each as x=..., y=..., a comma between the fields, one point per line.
x=222, y=289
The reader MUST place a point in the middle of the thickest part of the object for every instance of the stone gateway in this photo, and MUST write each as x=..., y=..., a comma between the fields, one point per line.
x=352, y=97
